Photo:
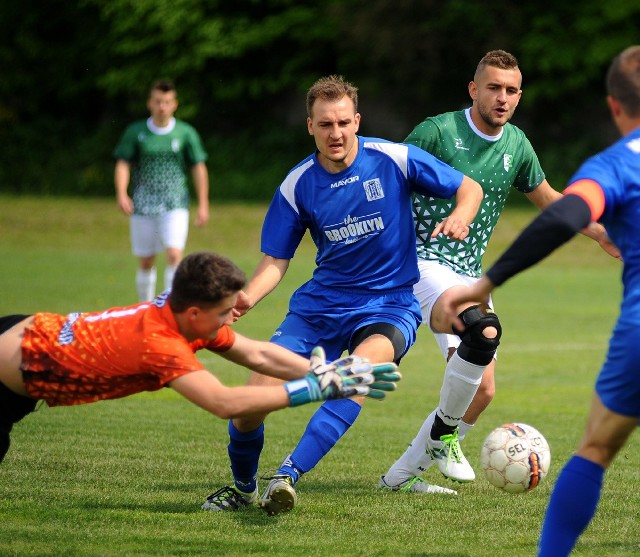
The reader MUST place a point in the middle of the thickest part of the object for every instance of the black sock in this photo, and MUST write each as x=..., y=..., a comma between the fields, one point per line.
x=439, y=428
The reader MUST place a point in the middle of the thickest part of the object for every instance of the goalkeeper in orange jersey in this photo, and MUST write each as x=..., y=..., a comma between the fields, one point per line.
x=85, y=357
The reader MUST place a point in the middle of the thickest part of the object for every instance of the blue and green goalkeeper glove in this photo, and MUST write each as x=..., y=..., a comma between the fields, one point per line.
x=342, y=378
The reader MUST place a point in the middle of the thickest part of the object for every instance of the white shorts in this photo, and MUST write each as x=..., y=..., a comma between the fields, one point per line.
x=434, y=280
x=151, y=235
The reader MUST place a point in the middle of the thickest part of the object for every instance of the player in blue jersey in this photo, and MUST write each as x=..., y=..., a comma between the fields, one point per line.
x=354, y=196
x=605, y=188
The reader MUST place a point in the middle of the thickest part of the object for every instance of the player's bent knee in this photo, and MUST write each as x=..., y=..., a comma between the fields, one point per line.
x=387, y=330
x=249, y=423
x=481, y=336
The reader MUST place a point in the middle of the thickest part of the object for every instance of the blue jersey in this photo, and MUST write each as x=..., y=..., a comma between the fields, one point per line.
x=617, y=170
x=360, y=219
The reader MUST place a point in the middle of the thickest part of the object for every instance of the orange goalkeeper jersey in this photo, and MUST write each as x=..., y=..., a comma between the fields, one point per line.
x=85, y=357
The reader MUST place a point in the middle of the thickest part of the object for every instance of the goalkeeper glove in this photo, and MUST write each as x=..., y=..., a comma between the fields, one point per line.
x=342, y=378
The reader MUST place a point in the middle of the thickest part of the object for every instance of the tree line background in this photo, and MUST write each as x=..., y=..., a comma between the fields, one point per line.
x=76, y=73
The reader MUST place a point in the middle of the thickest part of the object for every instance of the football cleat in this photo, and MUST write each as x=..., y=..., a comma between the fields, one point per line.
x=448, y=455
x=279, y=497
x=415, y=485
x=229, y=498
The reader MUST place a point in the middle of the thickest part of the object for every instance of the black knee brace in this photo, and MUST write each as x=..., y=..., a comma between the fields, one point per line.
x=476, y=348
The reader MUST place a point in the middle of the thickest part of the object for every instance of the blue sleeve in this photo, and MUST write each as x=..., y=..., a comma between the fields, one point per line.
x=430, y=176
x=282, y=229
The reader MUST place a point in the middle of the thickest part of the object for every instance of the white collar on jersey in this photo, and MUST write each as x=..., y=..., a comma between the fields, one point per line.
x=467, y=113
x=161, y=131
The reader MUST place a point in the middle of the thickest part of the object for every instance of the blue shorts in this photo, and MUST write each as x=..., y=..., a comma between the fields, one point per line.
x=618, y=384
x=328, y=317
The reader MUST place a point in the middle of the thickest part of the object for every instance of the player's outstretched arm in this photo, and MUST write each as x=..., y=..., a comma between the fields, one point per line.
x=554, y=226
x=544, y=195
x=206, y=391
x=341, y=379
x=267, y=358
x=452, y=298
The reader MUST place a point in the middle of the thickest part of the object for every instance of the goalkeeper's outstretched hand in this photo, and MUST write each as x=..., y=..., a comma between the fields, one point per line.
x=342, y=378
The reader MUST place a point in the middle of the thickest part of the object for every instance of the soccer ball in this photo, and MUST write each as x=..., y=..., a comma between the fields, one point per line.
x=515, y=457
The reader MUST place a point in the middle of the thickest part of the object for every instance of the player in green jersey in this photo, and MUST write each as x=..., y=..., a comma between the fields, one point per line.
x=481, y=143
x=152, y=156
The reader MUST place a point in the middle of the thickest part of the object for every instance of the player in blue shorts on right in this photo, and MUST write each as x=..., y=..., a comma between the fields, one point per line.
x=605, y=188
x=354, y=196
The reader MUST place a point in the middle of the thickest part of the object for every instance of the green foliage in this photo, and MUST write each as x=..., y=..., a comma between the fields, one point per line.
x=219, y=52
x=127, y=477
x=570, y=49
x=80, y=72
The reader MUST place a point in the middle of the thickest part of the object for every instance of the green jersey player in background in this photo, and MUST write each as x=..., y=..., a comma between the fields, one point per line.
x=153, y=156
x=481, y=143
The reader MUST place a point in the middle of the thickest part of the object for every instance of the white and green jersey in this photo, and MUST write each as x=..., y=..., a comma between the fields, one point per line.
x=496, y=163
x=159, y=158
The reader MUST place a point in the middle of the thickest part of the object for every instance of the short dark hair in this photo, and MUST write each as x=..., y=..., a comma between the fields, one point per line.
x=497, y=59
x=164, y=85
x=331, y=88
x=623, y=80
x=202, y=279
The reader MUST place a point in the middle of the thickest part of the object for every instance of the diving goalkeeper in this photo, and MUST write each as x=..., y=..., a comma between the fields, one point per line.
x=85, y=357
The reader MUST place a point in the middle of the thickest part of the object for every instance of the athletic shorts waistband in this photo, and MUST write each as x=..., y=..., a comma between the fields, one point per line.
x=366, y=291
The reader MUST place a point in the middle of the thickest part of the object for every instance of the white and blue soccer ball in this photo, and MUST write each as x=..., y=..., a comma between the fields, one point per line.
x=515, y=457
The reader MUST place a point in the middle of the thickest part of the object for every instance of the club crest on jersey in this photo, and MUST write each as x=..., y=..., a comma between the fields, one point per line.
x=459, y=145
x=507, y=161
x=353, y=229
x=373, y=189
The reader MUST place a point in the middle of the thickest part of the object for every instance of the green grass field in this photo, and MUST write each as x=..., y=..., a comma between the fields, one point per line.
x=128, y=477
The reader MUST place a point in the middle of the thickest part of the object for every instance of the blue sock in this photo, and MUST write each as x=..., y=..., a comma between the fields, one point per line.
x=326, y=427
x=572, y=505
x=244, y=453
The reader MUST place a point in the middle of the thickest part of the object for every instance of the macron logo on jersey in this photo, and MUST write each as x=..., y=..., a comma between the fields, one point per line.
x=353, y=229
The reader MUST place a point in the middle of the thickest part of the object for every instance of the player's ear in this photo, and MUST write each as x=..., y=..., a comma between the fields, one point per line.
x=192, y=313
x=614, y=106
x=473, y=90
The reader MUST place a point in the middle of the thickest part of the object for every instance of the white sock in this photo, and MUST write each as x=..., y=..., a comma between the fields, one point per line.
x=168, y=276
x=146, y=284
x=460, y=384
x=461, y=381
x=414, y=461
x=463, y=429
